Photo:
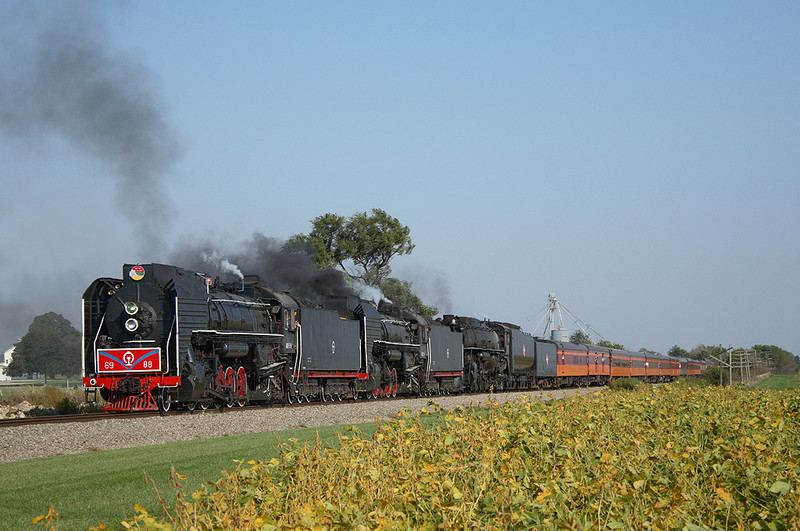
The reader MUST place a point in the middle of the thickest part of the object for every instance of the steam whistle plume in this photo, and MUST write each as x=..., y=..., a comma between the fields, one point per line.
x=215, y=259
x=227, y=266
x=59, y=76
x=370, y=293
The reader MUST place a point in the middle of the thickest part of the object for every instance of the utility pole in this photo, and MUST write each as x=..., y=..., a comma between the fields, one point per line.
x=748, y=362
x=723, y=363
x=730, y=364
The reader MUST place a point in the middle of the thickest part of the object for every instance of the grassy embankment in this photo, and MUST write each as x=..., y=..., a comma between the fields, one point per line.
x=777, y=382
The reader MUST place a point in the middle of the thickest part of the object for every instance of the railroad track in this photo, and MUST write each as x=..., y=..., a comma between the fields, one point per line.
x=91, y=417
x=79, y=417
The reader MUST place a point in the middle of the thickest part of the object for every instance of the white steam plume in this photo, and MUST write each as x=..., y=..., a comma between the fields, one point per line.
x=370, y=293
x=216, y=259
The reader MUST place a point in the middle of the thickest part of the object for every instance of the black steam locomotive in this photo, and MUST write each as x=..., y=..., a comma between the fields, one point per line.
x=163, y=336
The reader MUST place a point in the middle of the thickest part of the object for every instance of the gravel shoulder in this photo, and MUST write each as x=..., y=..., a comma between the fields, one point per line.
x=18, y=443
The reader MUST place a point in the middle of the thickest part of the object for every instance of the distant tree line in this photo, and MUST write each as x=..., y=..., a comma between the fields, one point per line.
x=51, y=347
x=784, y=362
x=582, y=338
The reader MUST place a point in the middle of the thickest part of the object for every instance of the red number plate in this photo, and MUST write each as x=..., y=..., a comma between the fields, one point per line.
x=129, y=360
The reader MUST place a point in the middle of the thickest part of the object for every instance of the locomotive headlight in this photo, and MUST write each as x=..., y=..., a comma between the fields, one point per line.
x=131, y=308
x=131, y=325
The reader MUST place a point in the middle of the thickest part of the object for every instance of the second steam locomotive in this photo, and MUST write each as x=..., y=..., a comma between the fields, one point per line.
x=163, y=336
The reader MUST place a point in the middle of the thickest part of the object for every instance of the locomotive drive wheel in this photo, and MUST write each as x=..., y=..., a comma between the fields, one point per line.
x=229, y=375
x=191, y=405
x=241, y=387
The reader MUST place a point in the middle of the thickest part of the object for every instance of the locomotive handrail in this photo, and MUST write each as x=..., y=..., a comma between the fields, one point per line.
x=299, y=356
x=364, y=351
x=174, y=325
x=395, y=322
x=225, y=333
x=94, y=344
x=486, y=349
x=428, y=362
x=243, y=303
x=392, y=343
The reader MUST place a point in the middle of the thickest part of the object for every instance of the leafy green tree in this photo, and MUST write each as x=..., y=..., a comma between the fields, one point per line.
x=677, y=352
x=647, y=351
x=580, y=338
x=373, y=240
x=400, y=293
x=361, y=246
x=50, y=347
x=703, y=351
x=323, y=243
x=610, y=344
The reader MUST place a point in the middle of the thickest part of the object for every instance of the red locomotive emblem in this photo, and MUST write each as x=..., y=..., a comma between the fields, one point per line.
x=129, y=360
x=136, y=272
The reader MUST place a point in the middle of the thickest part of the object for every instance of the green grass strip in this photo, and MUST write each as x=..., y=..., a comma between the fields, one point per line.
x=101, y=487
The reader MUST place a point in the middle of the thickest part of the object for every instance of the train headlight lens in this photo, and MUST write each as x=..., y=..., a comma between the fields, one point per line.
x=131, y=308
x=131, y=325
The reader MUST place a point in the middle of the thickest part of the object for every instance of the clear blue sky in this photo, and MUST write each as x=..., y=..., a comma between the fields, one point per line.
x=641, y=160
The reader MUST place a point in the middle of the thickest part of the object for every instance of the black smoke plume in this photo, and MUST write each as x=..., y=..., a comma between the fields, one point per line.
x=262, y=256
x=59, y=76
x=61, y=80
